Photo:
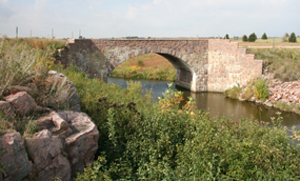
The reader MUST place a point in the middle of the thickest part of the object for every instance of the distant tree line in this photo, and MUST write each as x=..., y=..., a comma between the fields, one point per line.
x=252, y=37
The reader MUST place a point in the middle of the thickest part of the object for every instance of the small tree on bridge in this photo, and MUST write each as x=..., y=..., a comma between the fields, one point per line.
x=245, y=38
x=264, y=36
x=252, y=37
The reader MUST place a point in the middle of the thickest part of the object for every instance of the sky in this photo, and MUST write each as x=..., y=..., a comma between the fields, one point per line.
x=148, y=18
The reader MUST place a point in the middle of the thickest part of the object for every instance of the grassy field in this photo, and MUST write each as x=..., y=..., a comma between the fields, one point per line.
x=284, y=63
x=147, y=66
x=269, y=43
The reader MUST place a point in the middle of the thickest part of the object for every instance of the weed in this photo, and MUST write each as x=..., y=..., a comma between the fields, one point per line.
x=140, y=63
x=261, y=90
x=233, y=93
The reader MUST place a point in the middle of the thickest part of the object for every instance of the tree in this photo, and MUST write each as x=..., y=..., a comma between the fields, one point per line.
x=264, y=36
x=252, y=37
x=293, y=37
x=287, y=35
x=226, y=36
x=245, y=38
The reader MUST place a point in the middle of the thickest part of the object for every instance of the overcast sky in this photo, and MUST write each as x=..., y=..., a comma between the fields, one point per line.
x=148, y=18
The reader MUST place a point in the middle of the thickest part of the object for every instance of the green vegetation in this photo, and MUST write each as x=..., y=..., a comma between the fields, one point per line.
x=257, y=88
x=252, y=37
x=245, y=38
x=261, y=89
x=293, y=37
x=169, y=143
x=264, y=36
x=148, y=66
x=145, y=140
x=234, y=92
x=283, y=63
x=226, y=36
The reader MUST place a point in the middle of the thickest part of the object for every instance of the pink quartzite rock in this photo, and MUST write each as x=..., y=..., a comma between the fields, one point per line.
x=22, y=103
x=67, y=96
x=14, y=156
x=82, y=144
x=49, y=161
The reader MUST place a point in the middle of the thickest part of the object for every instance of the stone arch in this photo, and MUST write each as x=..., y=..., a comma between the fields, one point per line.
x=185, y=74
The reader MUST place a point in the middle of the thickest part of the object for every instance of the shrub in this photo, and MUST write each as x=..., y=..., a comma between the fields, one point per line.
x=264, y=36
x=252, y=37
x=226, y=36
x=293, y=37
x=169, y=143
x=245, y=38
x=261, y=89
x=233, y=93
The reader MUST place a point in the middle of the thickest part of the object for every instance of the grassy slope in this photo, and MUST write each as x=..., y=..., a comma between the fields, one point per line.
x=147, y=66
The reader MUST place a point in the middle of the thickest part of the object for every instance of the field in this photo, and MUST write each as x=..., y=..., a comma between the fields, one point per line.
x=260, y=43
x=147, y=66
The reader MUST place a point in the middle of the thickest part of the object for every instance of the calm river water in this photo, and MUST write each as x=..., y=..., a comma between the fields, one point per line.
x=218, y=104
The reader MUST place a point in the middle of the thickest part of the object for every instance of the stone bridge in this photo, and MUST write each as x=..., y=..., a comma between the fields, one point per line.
x=201, y=64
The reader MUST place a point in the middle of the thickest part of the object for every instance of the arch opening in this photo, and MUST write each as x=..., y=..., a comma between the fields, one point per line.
x=183, y=74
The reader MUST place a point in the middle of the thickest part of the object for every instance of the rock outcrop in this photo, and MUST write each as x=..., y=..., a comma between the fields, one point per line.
x=64, y=143
x=13, y=157
x=288, y=92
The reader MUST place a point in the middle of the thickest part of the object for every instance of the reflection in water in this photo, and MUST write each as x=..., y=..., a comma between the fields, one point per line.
x=219, y=105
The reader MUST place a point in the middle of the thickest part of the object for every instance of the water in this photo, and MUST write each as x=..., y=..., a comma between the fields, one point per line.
x=218, y=104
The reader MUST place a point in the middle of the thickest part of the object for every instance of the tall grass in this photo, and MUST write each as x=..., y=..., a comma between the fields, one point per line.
x=283, y=63
x=23, y=60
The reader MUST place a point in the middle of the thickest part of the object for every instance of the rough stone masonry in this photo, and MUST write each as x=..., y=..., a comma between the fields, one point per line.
x=212, y=65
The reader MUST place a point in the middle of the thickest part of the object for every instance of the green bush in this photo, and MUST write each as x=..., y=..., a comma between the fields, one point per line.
x=252, y=37
x=245, y=38
x=293, y=37
x=226, y=36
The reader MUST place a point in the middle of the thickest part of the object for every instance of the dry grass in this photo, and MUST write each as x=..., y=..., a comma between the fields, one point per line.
x=283, y=63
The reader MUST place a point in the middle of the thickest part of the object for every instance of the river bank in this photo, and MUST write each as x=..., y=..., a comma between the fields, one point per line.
x=284, y=96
